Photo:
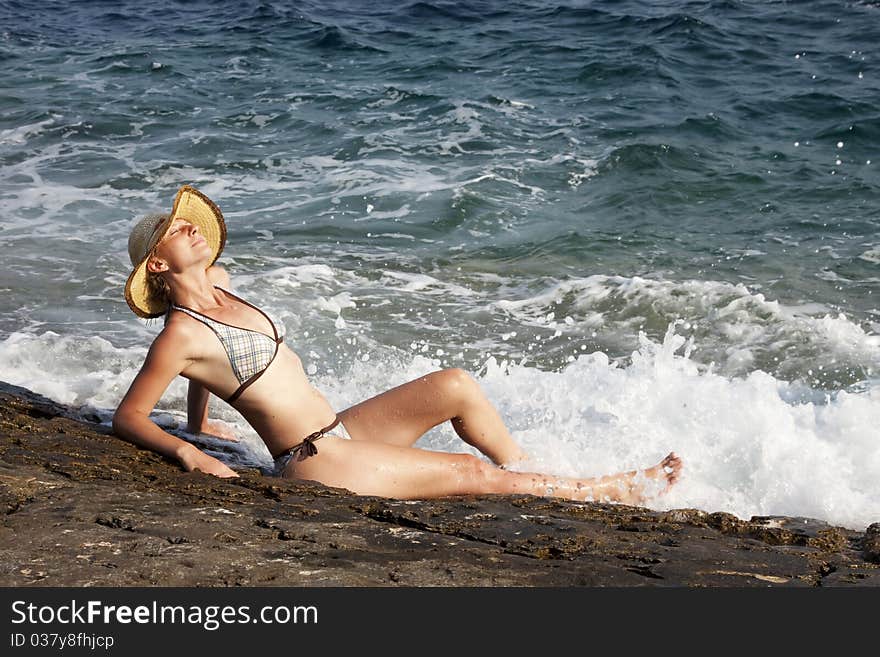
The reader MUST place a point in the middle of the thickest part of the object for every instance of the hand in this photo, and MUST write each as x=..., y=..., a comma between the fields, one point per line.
x=219, y=429
x=196, y=459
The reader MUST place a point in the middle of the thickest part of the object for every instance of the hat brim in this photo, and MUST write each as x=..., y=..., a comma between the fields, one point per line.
x=196, y=208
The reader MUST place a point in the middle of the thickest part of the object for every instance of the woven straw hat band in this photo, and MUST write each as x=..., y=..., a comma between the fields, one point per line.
x=189, y=205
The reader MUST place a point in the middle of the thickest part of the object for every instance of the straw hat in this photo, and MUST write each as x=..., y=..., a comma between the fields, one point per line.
x=191, y=205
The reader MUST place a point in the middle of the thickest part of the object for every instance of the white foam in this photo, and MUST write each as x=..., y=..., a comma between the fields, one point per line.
x=413, y=282
x=871, y=255
x=71, y=370
x=337, y=303
x=20, y=134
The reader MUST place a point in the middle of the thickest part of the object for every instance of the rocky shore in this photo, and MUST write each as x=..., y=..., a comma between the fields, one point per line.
x=81, y=507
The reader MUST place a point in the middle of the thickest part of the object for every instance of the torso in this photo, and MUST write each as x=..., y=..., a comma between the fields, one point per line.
x=281, y=405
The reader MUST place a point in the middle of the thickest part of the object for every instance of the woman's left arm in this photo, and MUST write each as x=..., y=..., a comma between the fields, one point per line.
x=197, y=414
x=196, y=407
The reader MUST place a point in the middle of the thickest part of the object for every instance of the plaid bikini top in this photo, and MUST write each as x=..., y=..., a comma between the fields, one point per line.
x=250, y=352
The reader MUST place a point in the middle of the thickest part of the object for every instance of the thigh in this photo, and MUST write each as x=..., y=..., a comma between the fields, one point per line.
x=401, y=415
x=374, y=468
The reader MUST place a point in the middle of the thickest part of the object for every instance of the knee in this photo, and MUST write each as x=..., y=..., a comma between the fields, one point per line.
x=477, y=475
x=456, y=382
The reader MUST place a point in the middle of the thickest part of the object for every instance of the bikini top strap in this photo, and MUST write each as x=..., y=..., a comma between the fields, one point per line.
x=195, y=314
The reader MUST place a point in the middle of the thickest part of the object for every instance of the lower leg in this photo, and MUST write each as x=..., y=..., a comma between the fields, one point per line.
x=479, y=425
x=631, y=487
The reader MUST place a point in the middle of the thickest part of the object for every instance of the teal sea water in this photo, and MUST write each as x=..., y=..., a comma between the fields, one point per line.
x=643, y=226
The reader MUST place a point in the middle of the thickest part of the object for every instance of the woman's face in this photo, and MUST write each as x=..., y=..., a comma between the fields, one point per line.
x=182, y=245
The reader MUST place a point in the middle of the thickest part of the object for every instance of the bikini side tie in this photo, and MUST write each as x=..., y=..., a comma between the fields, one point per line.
x=307, y=447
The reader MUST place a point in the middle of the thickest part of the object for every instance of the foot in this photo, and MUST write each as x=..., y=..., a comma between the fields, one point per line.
x=650, y=482
x=666, y=472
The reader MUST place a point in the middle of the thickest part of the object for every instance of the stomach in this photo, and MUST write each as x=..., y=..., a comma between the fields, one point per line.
x=282, y=406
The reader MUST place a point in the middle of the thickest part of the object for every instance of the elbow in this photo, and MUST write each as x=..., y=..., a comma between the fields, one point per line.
x=118, y=423
x=121, y=423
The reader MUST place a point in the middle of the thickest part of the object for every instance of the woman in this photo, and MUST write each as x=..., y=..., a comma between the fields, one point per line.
x=227, y=347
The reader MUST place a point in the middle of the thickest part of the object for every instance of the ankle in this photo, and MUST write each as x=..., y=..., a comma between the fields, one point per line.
x=512, y=462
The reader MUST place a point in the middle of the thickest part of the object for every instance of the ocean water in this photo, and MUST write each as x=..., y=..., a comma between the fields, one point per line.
x=642, y=227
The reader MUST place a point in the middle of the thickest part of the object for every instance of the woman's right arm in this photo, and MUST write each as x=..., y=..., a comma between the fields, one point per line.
x=132, y=418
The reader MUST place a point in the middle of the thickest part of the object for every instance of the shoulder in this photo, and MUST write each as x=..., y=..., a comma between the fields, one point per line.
x=170, y=353
x=179, y=339
x=219, y=276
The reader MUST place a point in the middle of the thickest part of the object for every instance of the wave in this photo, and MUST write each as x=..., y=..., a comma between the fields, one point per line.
x=450, y=11
x=645, y=157
x=737, y=331
x=334, y=38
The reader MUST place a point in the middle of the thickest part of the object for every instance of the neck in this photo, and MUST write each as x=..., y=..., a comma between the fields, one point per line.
x=194, y=291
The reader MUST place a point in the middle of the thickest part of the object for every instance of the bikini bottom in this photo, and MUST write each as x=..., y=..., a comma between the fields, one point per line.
x=307, y=447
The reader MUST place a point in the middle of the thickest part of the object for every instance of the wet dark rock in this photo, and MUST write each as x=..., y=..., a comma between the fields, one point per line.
x=871, y=547
x=80, y=507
